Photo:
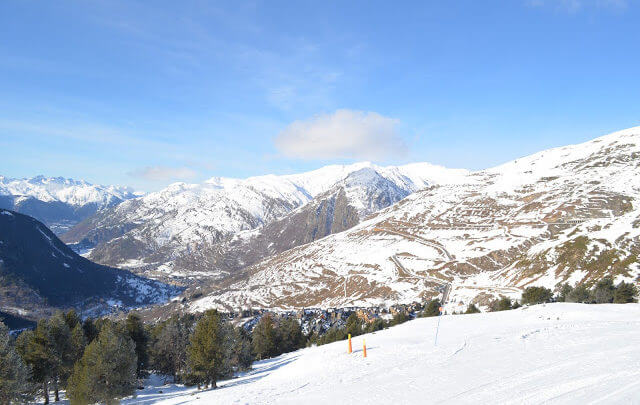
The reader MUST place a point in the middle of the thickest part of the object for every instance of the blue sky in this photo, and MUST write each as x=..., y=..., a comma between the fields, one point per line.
x=147, y=93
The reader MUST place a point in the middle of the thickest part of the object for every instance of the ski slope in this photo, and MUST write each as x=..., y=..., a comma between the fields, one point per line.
x=555, y=353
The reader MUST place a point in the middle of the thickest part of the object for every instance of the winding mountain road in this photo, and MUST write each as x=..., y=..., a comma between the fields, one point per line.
x=420, y=239
x=445, y=286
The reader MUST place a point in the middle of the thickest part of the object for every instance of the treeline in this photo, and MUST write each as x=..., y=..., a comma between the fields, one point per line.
x=95, y=361
x=602, y=292
x=101, y=361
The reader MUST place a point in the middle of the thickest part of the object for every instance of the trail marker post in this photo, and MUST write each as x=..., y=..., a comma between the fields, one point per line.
x=349, y=349
x=438, y=327
x=364, y=348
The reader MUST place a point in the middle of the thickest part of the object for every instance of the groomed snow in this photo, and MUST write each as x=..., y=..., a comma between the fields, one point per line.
x=556, y=353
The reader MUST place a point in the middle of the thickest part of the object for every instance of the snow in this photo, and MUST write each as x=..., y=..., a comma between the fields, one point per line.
x=490, y=223
x=6, y=213
x=73, y=192
x=188, y=216
x=554, y=353
x=53, y=245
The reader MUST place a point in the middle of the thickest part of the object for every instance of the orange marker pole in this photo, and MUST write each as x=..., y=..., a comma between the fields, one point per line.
x=349, y=349
x=438, y=327
x=364, y=348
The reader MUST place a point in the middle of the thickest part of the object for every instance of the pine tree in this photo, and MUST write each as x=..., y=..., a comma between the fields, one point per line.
x=289, y=336
x=603, y=291
x=536, y=295
x=432, y=308
x=354, y=325
x=137, y=333
x=61, y=352
x=36, y=350
x=169, y=347
x=399, y=318
x=101, y=323
x=565, y=290
x=78, y=344
x=242, y=356
x=334, y=334
x=580, y=293
x=107, y=370
x=501, y=304
x=472, y=309
x=376, y=325
x=236, y=349
x=72, y=319
x=264, y=338
x=90, y=330
x=14, y=373
x=625, y=293
x=206, y=349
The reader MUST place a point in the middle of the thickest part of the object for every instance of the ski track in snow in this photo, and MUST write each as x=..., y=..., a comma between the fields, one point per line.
x=580, y=354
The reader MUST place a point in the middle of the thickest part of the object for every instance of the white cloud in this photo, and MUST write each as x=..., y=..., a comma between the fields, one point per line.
x=163, y=173
x=343, y=134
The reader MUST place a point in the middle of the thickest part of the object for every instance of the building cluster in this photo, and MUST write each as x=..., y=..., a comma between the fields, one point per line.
x=320, y=320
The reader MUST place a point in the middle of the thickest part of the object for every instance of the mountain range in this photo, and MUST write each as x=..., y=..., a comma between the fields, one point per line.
x=568, y=214
x=58, y=202
x=188, y=232
x=364, y=234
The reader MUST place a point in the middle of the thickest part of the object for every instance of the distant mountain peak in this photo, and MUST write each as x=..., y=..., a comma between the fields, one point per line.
x=57, y=201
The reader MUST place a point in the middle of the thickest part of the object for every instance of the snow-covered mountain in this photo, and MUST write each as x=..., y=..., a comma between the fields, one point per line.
x=177, y=231
x=568, y=214
x=58, y=202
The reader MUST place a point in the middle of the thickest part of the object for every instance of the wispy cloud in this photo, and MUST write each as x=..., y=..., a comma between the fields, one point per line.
x=292, y=72
x=81, y=132
x=163, y=173
x=343, y=134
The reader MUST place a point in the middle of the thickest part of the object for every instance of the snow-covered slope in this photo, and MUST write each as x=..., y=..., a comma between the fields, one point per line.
x=569, y=214
x=183, y=220
x=558, y=353
x=58, y=202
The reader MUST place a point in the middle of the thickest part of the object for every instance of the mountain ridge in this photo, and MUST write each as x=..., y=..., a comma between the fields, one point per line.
x=39, y=273
x=59, y=202
x=567, y=214
x=149, y=232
